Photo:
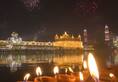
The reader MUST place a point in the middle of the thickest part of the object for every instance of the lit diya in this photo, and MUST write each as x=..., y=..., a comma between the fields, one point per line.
x=47, y=78
x=38, y=73
x=85, y=64
x=113, y=77
x=56, y=71
x=26, y=77
x=81, y=77
x=108, y=75
x=93, y=68
x=66, y=77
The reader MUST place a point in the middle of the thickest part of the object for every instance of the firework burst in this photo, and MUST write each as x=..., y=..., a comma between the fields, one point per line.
x=85, y=6
x=31, y=4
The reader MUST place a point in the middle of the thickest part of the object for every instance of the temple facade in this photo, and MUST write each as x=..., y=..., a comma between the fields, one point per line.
x=65, y=41
x=15, y=51
x=68, y=41
x=63, y=44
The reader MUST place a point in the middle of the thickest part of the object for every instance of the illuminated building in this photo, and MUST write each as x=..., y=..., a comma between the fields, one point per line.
x=68, y=41
x=111, y=40
x=115, y=48
x=107, y=33
x=14, y=39
x=85, y=36
x=65, y=47
x=86, y=45
x=65, y=41
x=115, y=41
x=85, y=41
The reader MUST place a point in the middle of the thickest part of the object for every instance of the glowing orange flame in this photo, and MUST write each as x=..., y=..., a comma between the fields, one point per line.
x=38, y=71
x=85, y=64
x=26, y=77
x=81, y=76
x=70, y=69
x=56, y=70
x=111, y=75
x=66, y=70
x=93, y=67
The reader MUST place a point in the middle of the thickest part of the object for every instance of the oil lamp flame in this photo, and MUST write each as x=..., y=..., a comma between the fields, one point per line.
x=85, y=64
x=56, y=70
x=66, y=70
x=81, y=76
x=26, y=77
x=70, y=69
x=38, y=71
x=111, y=75
x=93, y=67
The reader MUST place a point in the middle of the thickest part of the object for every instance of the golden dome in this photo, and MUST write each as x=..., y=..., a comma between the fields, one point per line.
x=67, y=36
x=56, y=36
x=68, y=40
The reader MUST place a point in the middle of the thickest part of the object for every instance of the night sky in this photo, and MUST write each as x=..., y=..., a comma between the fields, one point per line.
x=41, y=19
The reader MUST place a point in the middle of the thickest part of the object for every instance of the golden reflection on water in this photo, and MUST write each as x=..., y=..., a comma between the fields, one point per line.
x=68, y=59
x=38, y=58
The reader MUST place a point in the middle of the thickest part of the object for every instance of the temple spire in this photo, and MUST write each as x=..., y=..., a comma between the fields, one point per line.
x=107, y=33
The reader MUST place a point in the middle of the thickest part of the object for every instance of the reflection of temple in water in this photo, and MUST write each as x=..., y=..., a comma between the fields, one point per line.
x=33, y=58
x=16, y=60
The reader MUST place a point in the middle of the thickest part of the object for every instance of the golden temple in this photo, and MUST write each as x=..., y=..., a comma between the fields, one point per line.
x=67, y=40
x=61, y=41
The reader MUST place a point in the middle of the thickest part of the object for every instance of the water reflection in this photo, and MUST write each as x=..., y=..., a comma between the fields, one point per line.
x=13, y=61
